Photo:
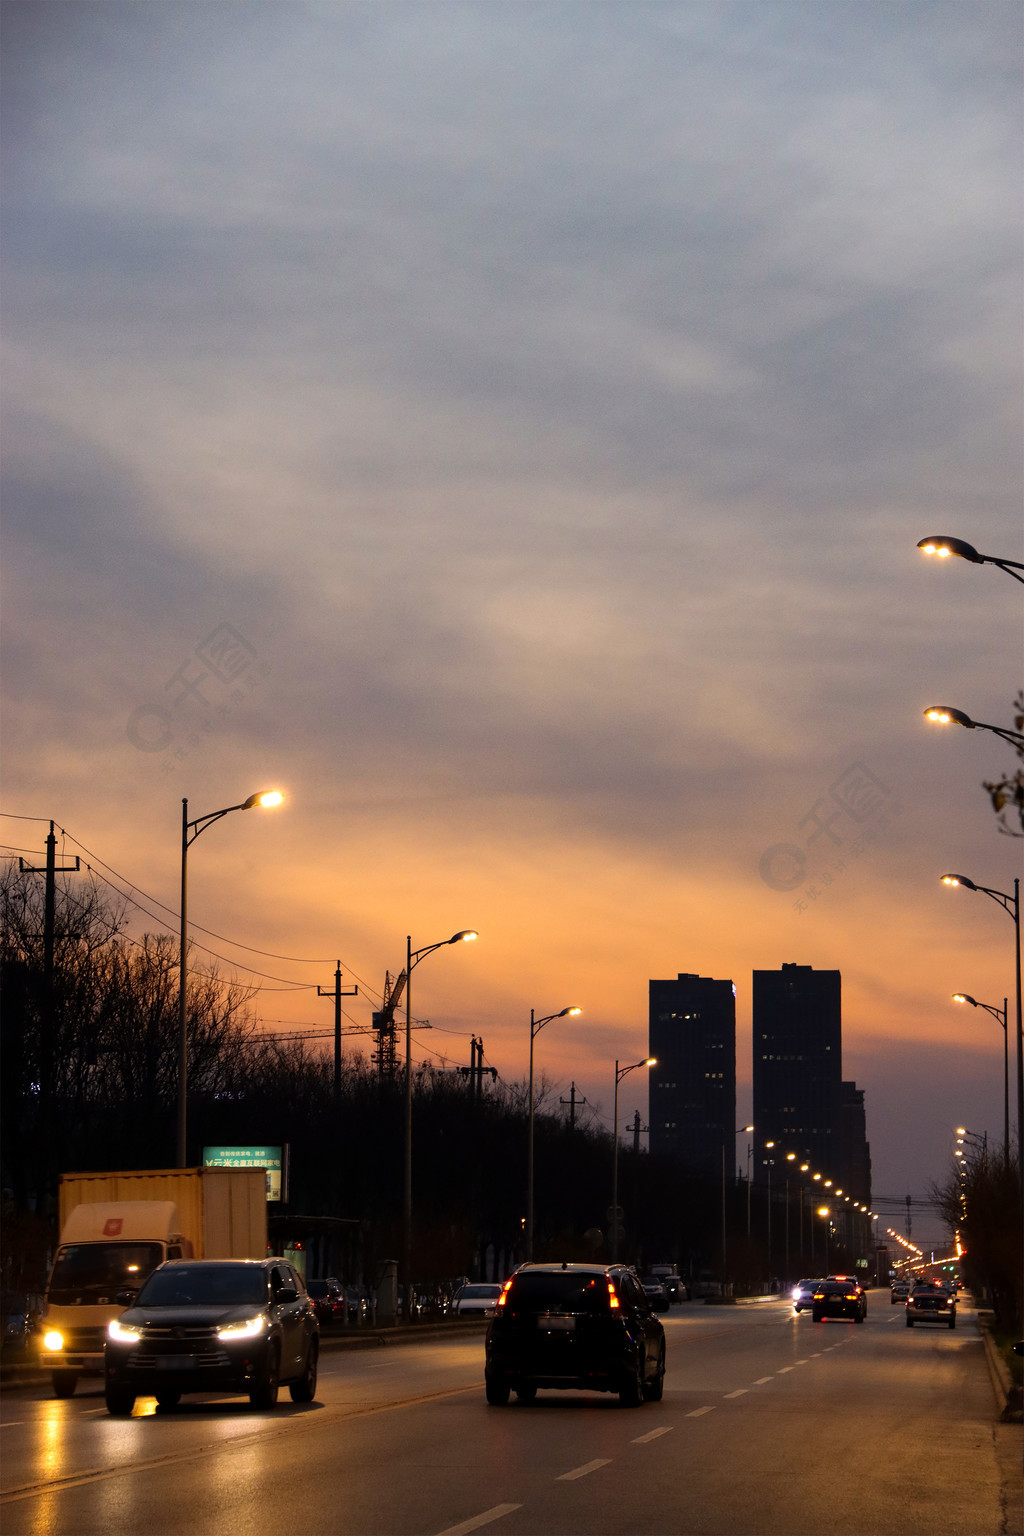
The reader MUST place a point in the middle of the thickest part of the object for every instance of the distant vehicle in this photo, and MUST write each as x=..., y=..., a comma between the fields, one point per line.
x=328, y=1300
x=656, y=1293
x=674, y=1284
x=574, y=1326
x=839, y=1298
x=21, y=1316
x=930, y=1302
x=479, y=1300
x=803, y=1294
x=900, y=1291
x=214, y=1325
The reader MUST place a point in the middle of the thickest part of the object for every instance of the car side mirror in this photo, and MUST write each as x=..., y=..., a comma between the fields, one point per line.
x=125, y=1298
x=286, y=1293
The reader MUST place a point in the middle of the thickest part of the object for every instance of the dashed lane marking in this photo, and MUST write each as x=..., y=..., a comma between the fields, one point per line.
x=588, y=1466
x=761, y=1381
x=479, y=1520
x=740, y=1392
x=652, y=1434
x=696, y=1412
x=783, y=1369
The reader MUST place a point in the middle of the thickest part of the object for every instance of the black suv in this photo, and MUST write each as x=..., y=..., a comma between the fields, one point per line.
x=213, y=1325
x=574, y=1325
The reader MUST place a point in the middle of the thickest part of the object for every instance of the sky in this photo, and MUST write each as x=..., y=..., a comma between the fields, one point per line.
x=506, y=428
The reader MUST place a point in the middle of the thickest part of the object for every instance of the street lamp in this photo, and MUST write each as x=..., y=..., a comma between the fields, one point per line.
x=769, y=1163
x=737, y=1131
x=536, y=1025
x=942, y=545
x=190, y=830
x=1000, y=1015
x=945, y=714
x=412, y=960
x=823, y=1211
x=1010, y=905
x=620, y=1073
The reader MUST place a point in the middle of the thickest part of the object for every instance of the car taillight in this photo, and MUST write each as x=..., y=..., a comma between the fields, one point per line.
x=504, y=1294
x=613, y=1300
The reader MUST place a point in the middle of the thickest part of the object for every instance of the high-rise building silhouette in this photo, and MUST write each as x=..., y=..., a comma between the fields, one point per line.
x=798, y=1067
x=855, y=1169
x=692, y=1035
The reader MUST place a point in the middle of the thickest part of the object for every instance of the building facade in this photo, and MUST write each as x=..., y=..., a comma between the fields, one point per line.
x=692, y=1035
x=855, y=1171
x=797, y=1069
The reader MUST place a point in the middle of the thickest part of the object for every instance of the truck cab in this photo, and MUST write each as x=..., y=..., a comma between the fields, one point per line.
x=105, y=1249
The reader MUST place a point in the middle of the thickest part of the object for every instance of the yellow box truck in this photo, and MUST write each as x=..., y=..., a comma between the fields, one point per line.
x=115, y=1228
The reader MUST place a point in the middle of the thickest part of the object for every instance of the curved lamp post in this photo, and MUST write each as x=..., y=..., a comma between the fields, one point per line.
x=620, y=1073
x=536, y=1025
x=737, y=1131
x=1000, y=1015
x=190, y=830
x=945, y=714
x=1011, y=906
x=942, y=545
x=412, y=960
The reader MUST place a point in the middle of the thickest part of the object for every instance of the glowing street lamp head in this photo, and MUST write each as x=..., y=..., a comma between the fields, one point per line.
x=964, y=997
x=942, y=545
x=945, y=714
x=569, y=1013
x=464, y=933
x=264, y=797
x=968, y=885
x=822, y=1210
x=652, y=1061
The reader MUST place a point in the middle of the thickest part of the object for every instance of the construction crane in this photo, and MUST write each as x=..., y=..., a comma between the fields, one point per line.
x=383, y=1020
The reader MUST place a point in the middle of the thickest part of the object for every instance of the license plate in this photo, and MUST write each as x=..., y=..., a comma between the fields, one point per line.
x=557, y=1324
x=175, y=1362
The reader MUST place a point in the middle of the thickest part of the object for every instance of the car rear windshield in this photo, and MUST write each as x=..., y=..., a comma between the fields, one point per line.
x=84, y=1270
x=181, y=1285
x=558, y=1292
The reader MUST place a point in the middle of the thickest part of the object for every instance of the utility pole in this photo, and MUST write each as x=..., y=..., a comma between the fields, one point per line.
x=637, y=1130
x=476, y=1071
x=337, y=994
x=572, y=1101
x=46, y=1074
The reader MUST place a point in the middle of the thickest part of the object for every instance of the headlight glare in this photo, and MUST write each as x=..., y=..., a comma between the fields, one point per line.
x=120, y=1333
x=249, y=1328
x=53, y=1340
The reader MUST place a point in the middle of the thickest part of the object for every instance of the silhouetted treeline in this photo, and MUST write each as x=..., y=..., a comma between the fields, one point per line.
x=90, y=1081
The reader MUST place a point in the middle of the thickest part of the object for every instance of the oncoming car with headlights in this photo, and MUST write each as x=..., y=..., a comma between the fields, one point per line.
x=213, y=1325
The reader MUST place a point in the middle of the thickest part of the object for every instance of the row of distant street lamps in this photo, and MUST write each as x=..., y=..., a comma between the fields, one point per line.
x=944, y=714
x=792, y=1164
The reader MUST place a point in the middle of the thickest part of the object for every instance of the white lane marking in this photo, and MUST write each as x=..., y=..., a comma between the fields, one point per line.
x=652, y=1434
x=13, y=1423
x=696, y=1412
x=761, y=1381
x=90, y=1413
x=740, y=1392
x=588, y=1466
x=816, y=1355
x=478, y=1520
x=800, y=1362
x=783, y=1369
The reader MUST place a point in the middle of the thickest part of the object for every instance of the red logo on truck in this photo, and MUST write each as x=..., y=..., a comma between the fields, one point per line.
x=112, y=1226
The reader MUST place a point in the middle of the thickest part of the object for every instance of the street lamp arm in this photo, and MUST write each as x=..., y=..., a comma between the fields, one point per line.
x=943, y=545
x=945, y=714
x=1008, y=903
x=416, y=955
x=263, y=797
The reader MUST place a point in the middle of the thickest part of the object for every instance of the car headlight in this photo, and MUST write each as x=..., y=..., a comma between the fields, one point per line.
x=251, y=1328
x=53, y=1340
x=122, y=1333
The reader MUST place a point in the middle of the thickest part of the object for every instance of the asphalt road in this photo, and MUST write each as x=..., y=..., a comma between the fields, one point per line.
x=771, y=1425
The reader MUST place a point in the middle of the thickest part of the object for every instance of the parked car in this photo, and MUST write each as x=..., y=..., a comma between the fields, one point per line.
x=213, y=1325
x=22, y=1311
x=656, y=1293
x=476, y=1299
x=803, y=1294
x=573, y=1326
x=930, y=1302
x=839, y=1296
